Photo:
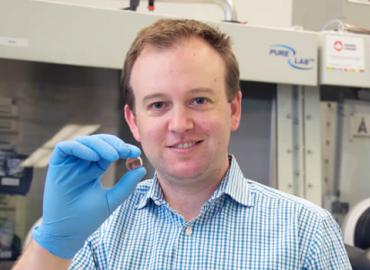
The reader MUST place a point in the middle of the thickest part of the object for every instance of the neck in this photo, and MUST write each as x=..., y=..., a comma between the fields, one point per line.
x=188, y=196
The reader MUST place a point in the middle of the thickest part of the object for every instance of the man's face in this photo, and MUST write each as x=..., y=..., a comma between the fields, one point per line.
x=182, y=117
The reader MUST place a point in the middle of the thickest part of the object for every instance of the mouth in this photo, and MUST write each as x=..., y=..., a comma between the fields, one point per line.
x=185, y=145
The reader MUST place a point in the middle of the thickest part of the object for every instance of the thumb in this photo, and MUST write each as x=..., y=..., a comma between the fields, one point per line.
x=125, y=186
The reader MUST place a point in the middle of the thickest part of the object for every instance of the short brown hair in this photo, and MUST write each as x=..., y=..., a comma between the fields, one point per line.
x=166, y=32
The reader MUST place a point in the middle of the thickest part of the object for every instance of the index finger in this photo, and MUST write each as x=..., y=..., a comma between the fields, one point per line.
x=124, y=150
x=72, y=148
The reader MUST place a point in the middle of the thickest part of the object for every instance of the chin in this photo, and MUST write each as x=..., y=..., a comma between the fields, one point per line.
x=185, y=173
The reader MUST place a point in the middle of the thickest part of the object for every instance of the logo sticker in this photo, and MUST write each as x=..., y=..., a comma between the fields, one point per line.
x=338, y=45
x=293, y=59
x=345, y=53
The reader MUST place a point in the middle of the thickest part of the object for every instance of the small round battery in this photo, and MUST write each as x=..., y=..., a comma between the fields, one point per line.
x=133, y=163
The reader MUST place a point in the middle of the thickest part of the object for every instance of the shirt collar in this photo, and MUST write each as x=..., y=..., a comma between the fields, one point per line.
x=234, y=184
x=154, y=193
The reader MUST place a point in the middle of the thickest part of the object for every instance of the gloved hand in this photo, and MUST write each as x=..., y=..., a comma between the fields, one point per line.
x=75, y=204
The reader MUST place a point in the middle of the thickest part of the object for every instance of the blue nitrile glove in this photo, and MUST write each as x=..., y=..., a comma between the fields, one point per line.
x=75, y=203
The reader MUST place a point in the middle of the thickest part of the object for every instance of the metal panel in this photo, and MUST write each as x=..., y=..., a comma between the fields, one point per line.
x=329, y=133
x=285, y=147
x=87, y=36
x=275, y=55
x=252, y=146
x=312, y=123
x=354, y=157
x=298, y=134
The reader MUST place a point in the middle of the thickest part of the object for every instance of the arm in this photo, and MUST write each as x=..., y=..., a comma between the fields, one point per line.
x=36, y=257
x=75, y=203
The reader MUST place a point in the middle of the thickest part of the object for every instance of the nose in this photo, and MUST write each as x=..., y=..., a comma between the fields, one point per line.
x=180, y=120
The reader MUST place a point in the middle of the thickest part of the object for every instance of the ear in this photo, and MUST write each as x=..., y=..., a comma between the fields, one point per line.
x=131, y=121
x=236, y=108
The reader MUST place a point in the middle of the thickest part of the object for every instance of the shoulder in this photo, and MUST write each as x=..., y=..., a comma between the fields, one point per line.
x=281, y=201
x=311, y=224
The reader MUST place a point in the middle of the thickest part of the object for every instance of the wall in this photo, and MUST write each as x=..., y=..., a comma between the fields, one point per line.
x=315, y=14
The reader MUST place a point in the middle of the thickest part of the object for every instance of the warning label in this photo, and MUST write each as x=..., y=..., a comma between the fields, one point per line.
x=345, y=53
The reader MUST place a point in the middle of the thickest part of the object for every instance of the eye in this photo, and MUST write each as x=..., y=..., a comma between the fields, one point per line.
x=157, y=105
x=200, y=101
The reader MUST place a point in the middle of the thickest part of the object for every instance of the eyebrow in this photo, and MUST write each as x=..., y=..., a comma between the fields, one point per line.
x=202, y=90
x=153, y=96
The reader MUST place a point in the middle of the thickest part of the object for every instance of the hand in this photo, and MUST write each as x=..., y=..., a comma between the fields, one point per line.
x=75, y=203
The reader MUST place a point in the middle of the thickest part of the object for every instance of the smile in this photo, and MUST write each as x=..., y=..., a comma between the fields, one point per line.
x=185, y=145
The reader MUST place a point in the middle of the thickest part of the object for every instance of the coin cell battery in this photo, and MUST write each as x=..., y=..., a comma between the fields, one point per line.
x=133, y=163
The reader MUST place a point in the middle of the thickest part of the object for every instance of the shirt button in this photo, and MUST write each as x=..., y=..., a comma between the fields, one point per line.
x=188, y=231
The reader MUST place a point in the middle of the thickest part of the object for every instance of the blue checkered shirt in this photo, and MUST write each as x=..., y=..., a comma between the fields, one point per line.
x=244, y=225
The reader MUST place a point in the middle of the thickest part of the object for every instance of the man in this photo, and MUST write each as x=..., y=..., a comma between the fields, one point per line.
x=198, y=212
